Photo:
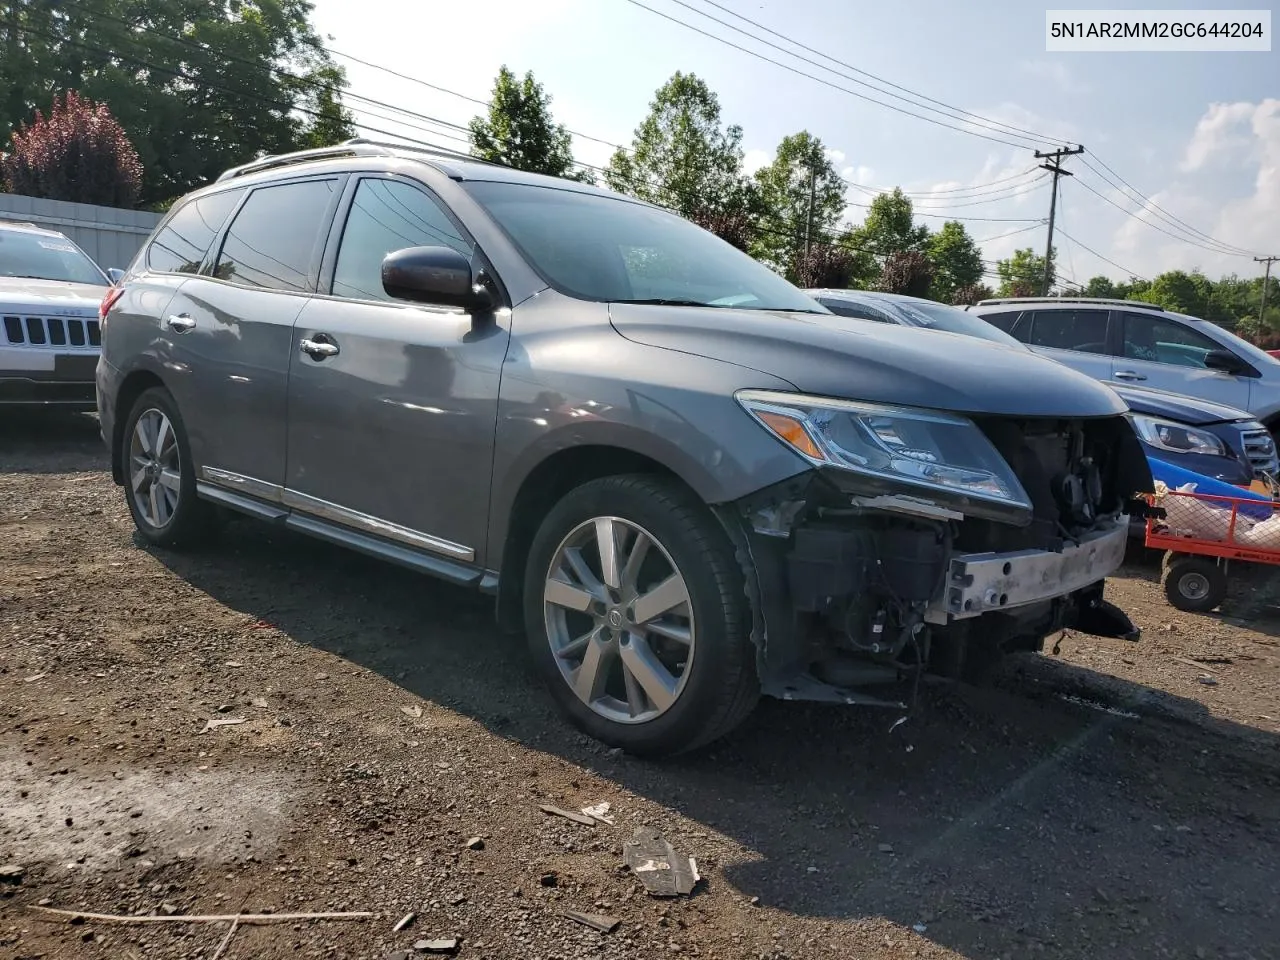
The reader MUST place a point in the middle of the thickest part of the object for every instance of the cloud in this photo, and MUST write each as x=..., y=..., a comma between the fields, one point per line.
x=1056, y=73
x=1231, y=143
x=1220, y=131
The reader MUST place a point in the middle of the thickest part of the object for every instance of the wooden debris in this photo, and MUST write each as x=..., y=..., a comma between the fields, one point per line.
x=663, y=872
x=567, y=814
x=231, y=932
x=599, y=811
x=597, y=921
x=81, y=916
x=215, y=722
x=444, y=945
x=407, y=919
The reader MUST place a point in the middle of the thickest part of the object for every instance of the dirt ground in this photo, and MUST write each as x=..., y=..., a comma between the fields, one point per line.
x=1111, y=801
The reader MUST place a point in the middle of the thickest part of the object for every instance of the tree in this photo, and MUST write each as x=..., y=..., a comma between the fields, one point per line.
x=971, y=294
x=198, y=86
x=519, y=131
x=681, y=156
x=78, y=153
x=827, y=266
x=1101, y=287
x=890, y=225
x=907, y=272
x=784, y=187
x=956, y=259
x=736, y=227
x=1022, y=275
x=332, y=123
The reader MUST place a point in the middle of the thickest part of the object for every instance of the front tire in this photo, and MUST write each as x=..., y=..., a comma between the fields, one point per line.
x=1195, y=584
x=637, y=618
x=159, y=475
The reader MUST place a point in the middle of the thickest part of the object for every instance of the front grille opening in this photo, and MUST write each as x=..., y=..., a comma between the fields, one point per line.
x=13, y=330
x=57, y=332
x=35, y=331
x=76, y=331
x=95, y=335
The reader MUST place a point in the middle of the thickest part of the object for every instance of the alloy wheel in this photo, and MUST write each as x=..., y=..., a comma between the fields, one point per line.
x=155, y=467
x=619, y=620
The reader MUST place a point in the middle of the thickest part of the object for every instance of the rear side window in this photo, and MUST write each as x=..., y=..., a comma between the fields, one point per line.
x=387, y=215
x=1004, y=321
x=1159, y=340
x=1081, y=330
x=182, y=243
x=273, y=239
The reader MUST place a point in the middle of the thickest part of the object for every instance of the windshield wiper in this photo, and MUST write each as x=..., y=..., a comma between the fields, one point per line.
x=671, y=302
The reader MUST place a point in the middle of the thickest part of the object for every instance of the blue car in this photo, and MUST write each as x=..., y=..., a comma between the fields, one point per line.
x=1208, y=438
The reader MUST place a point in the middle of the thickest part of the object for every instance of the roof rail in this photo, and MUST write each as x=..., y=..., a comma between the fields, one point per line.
x=1140, y=304
x=355, y=147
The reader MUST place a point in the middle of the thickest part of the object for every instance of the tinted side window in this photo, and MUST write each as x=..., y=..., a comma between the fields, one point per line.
x=273, y=238
x=1004, y=320
x=181, y=244
x=843, y=308
x=1159, y=340
x=387, y=215
x=1082, y=330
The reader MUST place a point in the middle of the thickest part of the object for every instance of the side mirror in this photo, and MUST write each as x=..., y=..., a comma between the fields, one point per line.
x=1226, y=361
x=115, y=275
x=439, y=275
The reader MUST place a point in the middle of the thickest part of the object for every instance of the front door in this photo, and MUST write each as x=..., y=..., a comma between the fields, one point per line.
x=1165, y=353
x=392, y=405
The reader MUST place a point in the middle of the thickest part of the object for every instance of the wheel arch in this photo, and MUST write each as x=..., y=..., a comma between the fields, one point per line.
x=541, y=488
x=131, y=387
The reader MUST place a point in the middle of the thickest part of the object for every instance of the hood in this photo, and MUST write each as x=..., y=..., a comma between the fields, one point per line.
x=1190, y=410
x=57, y=297
x=879, y=362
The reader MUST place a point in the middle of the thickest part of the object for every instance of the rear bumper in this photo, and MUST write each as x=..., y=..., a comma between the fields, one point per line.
x=979, y=583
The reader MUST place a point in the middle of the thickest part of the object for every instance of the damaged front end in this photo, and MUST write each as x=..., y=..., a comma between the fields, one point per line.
x=925, y=543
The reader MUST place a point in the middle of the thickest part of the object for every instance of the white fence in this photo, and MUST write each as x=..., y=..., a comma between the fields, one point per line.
x=108, y=234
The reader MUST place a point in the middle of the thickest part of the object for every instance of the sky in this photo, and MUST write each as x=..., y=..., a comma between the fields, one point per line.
x=1196, y=135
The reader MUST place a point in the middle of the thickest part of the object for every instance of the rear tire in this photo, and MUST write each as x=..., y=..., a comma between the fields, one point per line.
x=650, y=650
x=159, y=475
x=1195, y=584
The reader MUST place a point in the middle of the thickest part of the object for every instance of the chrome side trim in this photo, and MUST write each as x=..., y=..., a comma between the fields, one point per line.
x=380, y=528
x=241, y=502
x=249, y=485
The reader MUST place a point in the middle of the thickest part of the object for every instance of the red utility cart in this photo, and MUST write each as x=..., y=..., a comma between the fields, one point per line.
x=1203, y=536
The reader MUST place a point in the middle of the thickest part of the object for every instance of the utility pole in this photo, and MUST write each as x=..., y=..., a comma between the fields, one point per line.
x=813, y=192
x=1266, y=282
x=1054, y=166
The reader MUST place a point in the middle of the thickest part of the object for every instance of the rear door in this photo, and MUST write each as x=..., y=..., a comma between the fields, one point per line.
x=1164, y=352
x=391, y=427
x=231, y=329
x=1076, y=337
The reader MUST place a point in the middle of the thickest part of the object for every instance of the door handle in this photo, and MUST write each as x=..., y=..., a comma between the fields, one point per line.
x=179, y=322
x=319, y=349
x=1128, y=375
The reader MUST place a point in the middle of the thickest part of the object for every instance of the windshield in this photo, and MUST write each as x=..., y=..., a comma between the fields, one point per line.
x=46, y=256
x=596, y=247
x=1242, y=347
x=939, y=316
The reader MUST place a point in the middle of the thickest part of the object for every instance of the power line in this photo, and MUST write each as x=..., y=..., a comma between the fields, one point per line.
x=1155, y=226
x=978, y=121
x=1132, y=273
x=1151, y=204
x=986, y=121
x=1001, y=236
x=826, y=83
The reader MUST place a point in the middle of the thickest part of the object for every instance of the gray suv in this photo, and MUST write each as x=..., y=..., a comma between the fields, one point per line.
x=688, y=483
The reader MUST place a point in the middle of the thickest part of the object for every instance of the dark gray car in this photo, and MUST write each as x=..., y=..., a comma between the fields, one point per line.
x=686, y=481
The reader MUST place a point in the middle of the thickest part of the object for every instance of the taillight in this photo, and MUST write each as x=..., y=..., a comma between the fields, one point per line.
x=108, y=301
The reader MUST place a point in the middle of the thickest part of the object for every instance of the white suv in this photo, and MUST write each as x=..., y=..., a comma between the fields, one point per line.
x=50, y=291
x=1126, y=341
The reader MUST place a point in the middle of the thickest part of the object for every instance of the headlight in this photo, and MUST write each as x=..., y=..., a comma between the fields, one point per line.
x=1176, y=437
x=942, y=454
